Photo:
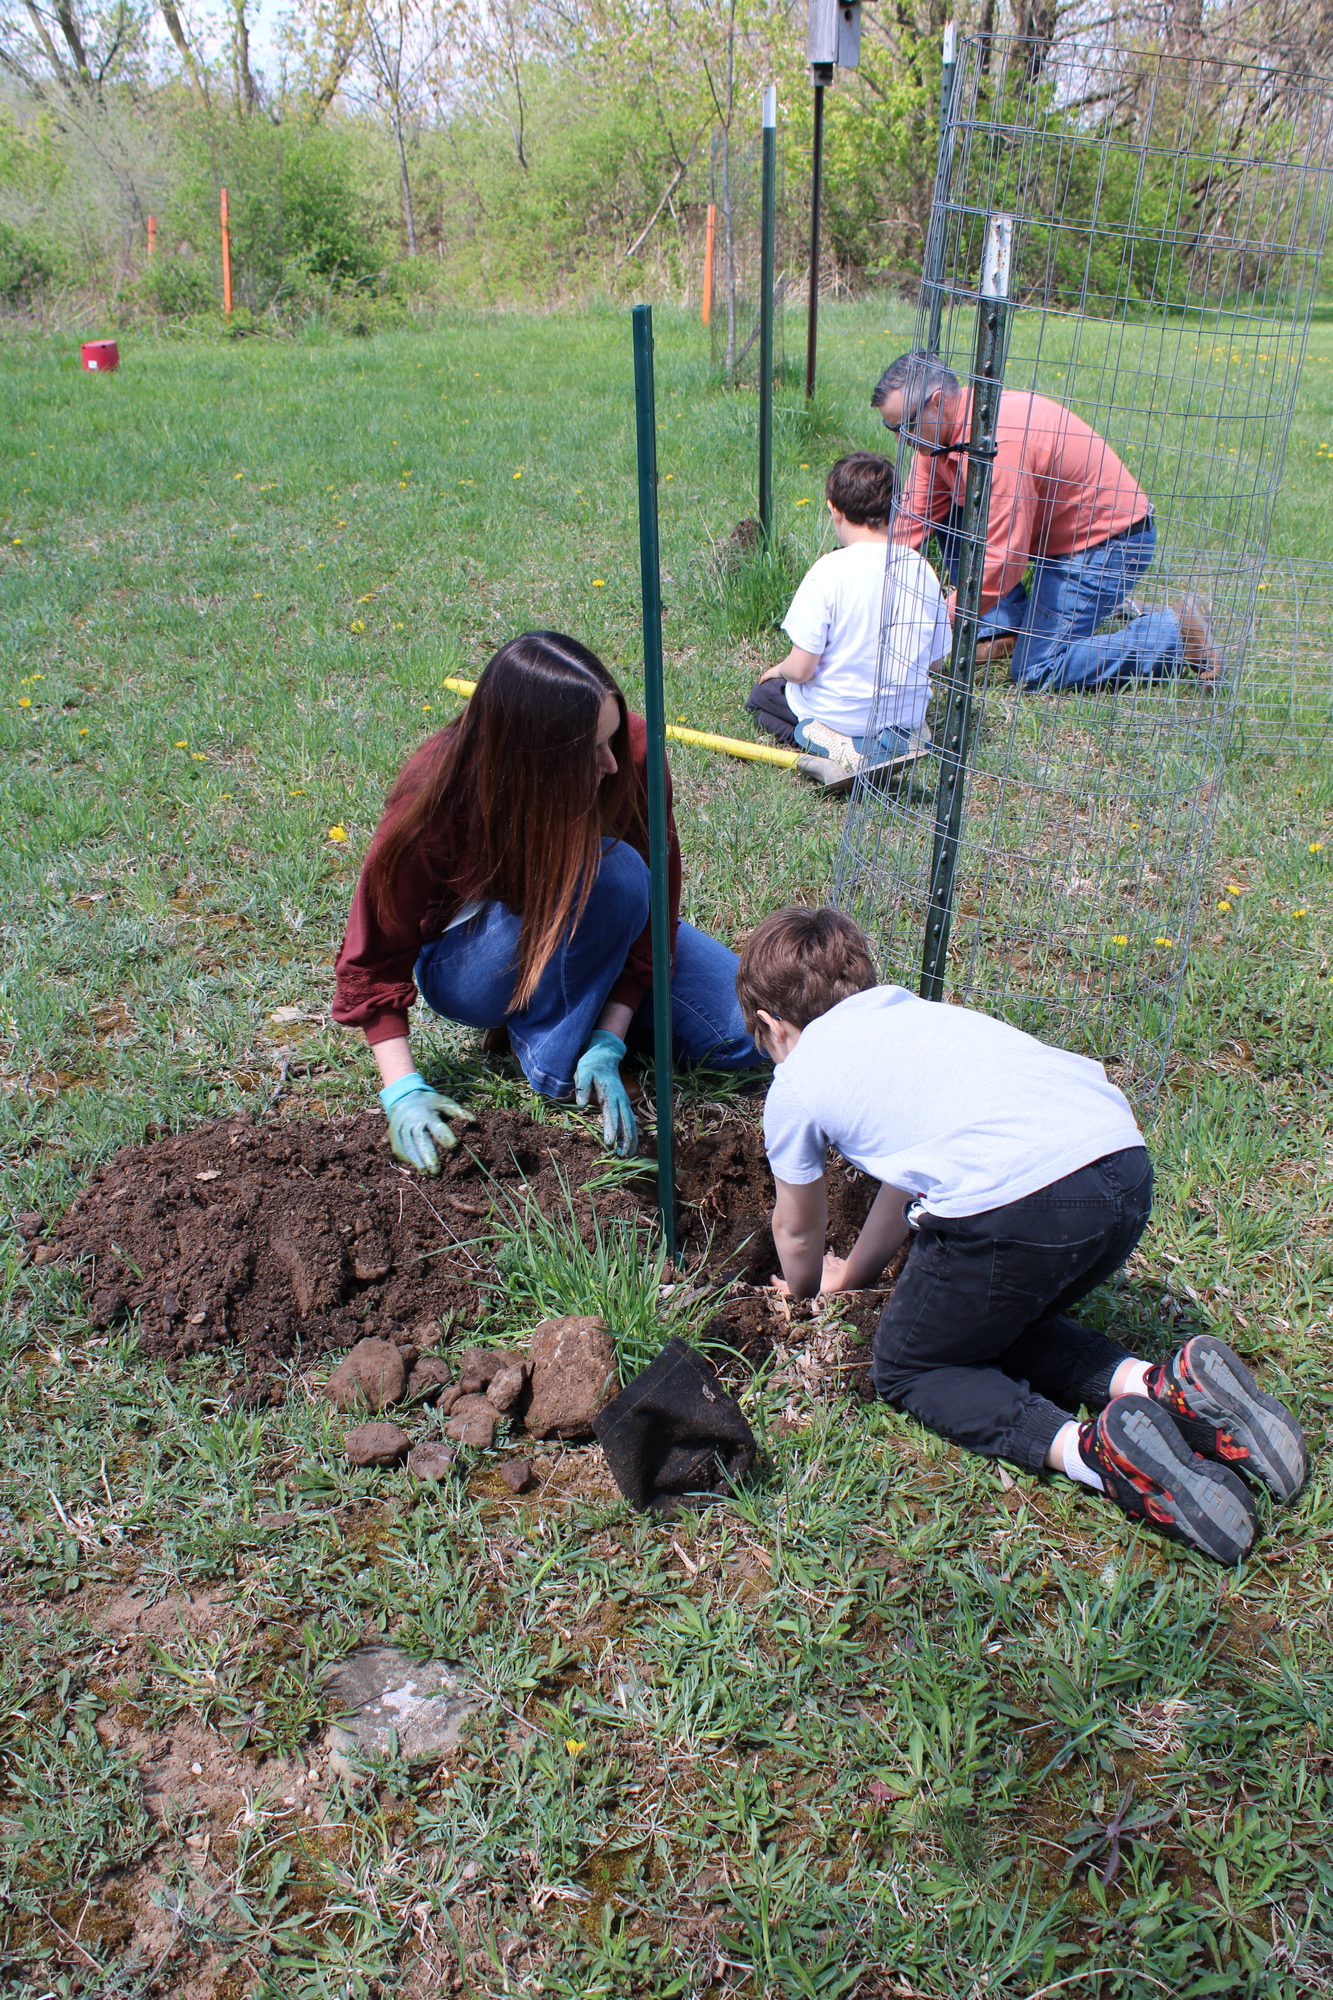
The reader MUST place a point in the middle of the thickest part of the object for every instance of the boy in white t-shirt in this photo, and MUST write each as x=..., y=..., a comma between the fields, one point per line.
x=823, y=696
x=1023, y=1175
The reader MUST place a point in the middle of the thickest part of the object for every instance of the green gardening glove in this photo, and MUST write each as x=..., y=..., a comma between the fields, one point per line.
x=599, y=1072
x=416, y=1116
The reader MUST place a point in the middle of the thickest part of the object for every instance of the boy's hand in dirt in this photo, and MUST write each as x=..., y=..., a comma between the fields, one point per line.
x=834, y=1267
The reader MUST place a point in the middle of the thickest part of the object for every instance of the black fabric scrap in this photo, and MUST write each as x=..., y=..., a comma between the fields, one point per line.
x=674, y=1430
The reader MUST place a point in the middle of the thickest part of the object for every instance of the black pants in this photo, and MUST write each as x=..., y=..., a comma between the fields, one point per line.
x=975, y=1340
x=767, y=703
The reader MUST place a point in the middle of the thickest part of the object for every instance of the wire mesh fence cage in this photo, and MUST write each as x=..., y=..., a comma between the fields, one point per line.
x=1169, y=204
x=1285, y=700
x=735, y=189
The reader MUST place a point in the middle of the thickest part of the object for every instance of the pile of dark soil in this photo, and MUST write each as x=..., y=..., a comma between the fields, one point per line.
x=266, y=1237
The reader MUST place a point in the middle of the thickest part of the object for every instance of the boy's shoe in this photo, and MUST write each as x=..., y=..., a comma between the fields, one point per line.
x=1221, y=1413
x=831, y=743
x=1148, y=1470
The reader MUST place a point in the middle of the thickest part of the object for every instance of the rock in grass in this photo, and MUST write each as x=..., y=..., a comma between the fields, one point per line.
x=472, y=1422
x=376, y=1444
x=431, y=1461
x=574, y=1374
x=372, y=1377
x=480, y=1366
x=503, y=1390
x=430, y=1378
x=516, y=1474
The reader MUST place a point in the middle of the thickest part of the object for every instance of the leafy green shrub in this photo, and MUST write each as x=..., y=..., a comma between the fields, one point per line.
x=176, y=288
x=24, y=267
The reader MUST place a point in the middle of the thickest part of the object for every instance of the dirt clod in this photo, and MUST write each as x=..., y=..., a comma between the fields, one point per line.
x=371, y=1378
x=503, y=1390
x=376, y=1444
x=472, y=1422
x=516, y=1474
x=430, y=1379
x=431, y=1460
x=573, y=1374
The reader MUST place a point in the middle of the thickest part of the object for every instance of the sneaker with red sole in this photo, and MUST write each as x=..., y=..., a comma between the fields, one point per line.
x=1222, y=1413
x=1148, y=1469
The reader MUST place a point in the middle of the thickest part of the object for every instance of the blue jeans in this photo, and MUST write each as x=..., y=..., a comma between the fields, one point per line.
x=891, y=742
x=468, y=975
x=1070, y=597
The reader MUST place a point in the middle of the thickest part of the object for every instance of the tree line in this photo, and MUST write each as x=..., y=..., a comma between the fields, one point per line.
x=385, y=154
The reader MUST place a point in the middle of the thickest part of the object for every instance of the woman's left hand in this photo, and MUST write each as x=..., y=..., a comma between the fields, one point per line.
x=599, y=1072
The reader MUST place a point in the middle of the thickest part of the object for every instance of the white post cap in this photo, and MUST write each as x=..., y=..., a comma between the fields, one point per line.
x=770, y=106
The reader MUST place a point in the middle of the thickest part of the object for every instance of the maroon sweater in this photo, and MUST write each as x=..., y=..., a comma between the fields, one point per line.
x=374, y=970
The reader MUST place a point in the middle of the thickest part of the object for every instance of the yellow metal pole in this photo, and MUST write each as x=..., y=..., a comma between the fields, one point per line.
x=731, y=746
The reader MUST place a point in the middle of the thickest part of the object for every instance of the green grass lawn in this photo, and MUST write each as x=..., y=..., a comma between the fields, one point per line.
x=864, y=1732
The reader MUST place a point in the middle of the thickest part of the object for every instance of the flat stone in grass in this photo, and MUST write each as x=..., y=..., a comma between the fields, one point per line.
x=377, y=1444
x=379, y=1692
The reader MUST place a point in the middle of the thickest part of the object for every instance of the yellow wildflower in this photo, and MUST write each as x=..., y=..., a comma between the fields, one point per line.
x=337, y=833
x=573, y=1745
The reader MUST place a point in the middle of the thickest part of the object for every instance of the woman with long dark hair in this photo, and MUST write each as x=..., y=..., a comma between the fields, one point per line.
x=508, y=883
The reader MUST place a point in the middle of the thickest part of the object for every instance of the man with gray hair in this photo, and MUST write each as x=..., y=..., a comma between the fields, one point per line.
x=1062, y=505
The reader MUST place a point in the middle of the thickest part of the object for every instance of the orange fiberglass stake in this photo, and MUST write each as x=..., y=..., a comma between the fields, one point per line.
x=152, y=236
x=226, y=258
x=710, y=231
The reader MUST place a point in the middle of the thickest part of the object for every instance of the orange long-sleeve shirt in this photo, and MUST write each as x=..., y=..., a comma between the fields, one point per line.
x=434, y=880
x=1056, y=489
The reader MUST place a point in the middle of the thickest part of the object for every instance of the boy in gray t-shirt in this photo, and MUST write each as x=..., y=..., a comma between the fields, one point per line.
x=1021, y=1174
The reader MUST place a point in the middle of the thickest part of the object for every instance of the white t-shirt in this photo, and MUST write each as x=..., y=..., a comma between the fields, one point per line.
x=843, y=602
x=945, y=1103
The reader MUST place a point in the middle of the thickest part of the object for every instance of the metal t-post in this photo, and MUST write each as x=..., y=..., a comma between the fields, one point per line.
x=932, y=276
x=766, y=262
x=816, y=186
x=654, y=708
x=952, y=740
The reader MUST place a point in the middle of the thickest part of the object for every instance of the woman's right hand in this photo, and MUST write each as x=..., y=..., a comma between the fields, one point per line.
x=416, y=1116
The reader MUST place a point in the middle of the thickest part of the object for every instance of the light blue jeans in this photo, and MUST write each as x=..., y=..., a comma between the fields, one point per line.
x=468, y=975
x=1070, y=597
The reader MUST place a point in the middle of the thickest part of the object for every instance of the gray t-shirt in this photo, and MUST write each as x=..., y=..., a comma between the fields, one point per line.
x=947, y=1104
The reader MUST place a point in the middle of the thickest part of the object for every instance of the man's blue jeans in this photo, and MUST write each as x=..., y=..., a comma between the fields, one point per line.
x=468, y=975
x=1070, y=597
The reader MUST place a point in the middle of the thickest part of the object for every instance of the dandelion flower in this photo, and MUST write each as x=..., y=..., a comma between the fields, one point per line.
x=25, y=701
x=599, y=583
x=18, y=541
x=1222, y=903
x=358, y=624
x=519, y=473
x=239, y=475
x=1235, y=889
x=425, y=708
x=573, y=1745
x=805, y=465
x=1163, y=940
x=198, y=757
x=83, y=732
x=1316, y=847
x=671, y=475
x=337, y=833
x=1121, y=939
x=1300, y=913
x=802, y=503
x=183, y=744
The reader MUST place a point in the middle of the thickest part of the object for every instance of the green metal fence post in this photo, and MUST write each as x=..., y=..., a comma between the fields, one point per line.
x=768, y=227
x=816, y=195
x=932, y=275
x=654, y=708
x=952, y=740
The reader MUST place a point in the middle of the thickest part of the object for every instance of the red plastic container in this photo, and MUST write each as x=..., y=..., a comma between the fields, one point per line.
x=101, y=356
